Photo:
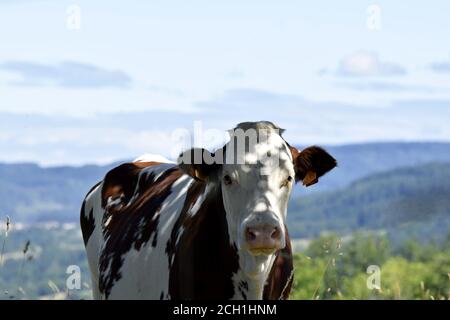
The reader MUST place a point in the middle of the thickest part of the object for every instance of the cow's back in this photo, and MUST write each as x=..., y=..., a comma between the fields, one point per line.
x=126, y=220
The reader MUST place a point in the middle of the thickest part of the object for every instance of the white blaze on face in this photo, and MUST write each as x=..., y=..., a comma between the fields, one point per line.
x=257, y=193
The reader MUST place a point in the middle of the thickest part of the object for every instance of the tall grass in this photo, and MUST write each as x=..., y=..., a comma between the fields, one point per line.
x=331, y=262
x=7, y=226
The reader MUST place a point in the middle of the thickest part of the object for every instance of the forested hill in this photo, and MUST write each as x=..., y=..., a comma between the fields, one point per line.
x=356, y=161
x=408, y=203
x=31, y=193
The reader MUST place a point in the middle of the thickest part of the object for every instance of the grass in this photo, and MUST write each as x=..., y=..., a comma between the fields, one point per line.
x=7, y=226
x=331, y=261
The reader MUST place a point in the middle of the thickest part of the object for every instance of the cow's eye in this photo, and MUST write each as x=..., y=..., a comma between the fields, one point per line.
x=287, y=182
x=227, y=180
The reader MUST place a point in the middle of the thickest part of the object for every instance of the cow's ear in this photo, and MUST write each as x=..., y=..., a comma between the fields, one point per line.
x=311, y=163
x=198, y=163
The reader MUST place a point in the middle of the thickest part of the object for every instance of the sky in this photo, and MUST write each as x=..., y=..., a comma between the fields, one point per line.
x=99, y=81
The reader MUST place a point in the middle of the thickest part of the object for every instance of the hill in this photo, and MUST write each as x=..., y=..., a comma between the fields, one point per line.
x=356, y=161
x=31, y=193
x=409, y=202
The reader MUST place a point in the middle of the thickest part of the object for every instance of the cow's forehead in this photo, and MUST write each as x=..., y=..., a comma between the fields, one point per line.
x=270, y=152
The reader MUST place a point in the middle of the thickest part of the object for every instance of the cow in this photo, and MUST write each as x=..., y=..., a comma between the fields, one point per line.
x=210, y=226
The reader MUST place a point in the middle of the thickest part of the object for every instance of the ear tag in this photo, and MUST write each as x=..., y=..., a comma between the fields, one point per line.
x=310, y=178
x=198, y=175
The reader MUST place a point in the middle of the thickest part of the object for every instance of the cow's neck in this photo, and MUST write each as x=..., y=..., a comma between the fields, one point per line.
x=251, y=286
x=248, y=283
x=219, y=271
x=200, y=255
x=251, y=277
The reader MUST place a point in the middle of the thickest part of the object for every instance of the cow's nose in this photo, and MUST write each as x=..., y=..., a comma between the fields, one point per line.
x=263, y=239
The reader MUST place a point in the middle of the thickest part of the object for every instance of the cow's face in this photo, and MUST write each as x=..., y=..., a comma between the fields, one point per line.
x=256, y=172
x=256, y=186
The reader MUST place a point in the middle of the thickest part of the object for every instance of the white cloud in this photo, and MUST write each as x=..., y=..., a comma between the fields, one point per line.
x=68, y=74
x=368, y=64
x=86, y=102
x=60, y=139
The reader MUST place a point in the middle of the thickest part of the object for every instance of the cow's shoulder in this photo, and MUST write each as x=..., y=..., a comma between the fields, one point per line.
x=122, y=182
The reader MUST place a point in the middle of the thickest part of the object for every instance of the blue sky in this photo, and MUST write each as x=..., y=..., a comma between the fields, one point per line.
x=328, y=72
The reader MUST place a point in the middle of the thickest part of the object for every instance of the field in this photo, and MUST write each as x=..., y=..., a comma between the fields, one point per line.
x=328, y=268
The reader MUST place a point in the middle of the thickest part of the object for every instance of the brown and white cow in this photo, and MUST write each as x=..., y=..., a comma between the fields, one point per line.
x=212, y=226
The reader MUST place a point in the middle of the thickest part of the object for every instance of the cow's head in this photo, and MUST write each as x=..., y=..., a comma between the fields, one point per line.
x=256, y=171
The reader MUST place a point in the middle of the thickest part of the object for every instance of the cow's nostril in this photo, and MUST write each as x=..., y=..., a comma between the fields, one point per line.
x=263, y=239
x=250, y=234
x=262, y=234
x=276, y=233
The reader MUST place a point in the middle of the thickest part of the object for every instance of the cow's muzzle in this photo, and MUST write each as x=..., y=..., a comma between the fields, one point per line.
x=263, y=239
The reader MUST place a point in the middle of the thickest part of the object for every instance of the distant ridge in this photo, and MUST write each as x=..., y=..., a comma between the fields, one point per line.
x=32, y=193
x=359, y=160
x=411, y=202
